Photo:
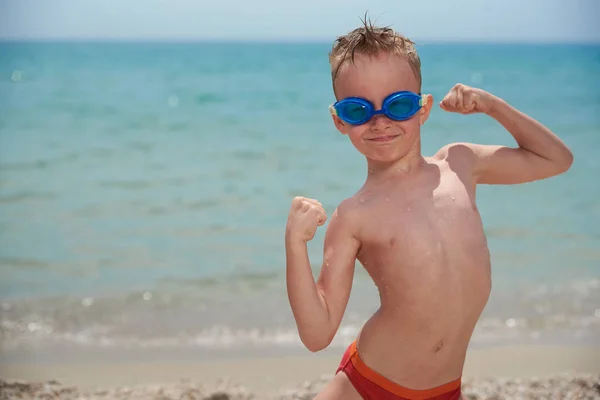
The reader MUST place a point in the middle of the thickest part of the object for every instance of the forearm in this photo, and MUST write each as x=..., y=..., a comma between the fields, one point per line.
x=307, y=303
x=530, y=134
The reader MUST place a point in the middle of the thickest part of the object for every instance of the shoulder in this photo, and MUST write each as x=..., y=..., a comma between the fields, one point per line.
x=346, y=215
x=348, y=210
x=458, y=155
x=462, y=158
x=454, y=151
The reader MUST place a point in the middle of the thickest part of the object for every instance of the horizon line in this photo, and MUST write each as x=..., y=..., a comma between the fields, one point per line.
x=159, y=40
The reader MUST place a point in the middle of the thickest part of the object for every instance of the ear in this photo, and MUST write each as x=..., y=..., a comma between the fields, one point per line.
x=427, y=100
x=339, y=124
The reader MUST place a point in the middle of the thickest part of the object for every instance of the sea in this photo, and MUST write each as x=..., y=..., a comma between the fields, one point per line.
x=145, y=187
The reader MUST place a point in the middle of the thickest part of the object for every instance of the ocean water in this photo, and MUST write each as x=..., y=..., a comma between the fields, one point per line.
x=144, y=191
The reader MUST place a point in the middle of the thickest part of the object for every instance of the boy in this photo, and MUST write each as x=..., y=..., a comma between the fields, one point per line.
x=414, y=224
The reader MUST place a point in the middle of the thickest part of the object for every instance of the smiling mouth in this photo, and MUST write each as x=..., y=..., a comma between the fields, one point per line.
x=383, y=138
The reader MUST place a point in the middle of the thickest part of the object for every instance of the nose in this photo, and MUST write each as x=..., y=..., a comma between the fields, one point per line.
x=380, y=122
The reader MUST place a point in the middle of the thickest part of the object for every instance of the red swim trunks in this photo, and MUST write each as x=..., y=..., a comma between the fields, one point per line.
x=372, y=386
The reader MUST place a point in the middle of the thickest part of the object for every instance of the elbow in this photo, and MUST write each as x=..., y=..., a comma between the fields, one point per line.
x=565, y=162
x=315, y=346
x=558, y=164
x=568, y=160
x=316, y=343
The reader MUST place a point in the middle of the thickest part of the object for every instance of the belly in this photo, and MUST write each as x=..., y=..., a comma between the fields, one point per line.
x=419, y=336
x=434, y=279
x=429, y=300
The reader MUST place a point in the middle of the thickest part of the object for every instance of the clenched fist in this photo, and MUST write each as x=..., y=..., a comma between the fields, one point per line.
x=464, y=99
x=304, y=218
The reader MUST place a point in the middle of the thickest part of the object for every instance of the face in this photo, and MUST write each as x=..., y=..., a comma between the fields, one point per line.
x=373, y=79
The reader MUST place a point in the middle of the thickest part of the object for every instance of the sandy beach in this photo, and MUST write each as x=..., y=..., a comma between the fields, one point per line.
x=531, y=372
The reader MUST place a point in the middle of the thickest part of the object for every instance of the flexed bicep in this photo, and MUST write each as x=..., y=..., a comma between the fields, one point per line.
x=500, y=165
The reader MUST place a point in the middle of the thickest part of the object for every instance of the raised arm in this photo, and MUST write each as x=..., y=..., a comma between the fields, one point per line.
x=539, y=153
x=318, y=307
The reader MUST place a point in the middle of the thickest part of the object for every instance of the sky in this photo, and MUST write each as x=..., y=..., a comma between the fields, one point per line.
x=300, y=20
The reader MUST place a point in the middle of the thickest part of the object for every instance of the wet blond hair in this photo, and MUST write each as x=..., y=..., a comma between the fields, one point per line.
x=370, y=40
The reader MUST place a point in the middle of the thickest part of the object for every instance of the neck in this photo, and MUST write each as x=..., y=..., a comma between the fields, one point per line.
x=401, y=167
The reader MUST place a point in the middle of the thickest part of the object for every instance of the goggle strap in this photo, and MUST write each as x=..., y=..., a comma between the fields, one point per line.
x=332, y=110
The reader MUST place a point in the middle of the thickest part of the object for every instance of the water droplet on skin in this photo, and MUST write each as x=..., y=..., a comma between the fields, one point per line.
x=371, y=170
x=362, y=200
x=452, y=197
x=407, y=208
x=387, y=199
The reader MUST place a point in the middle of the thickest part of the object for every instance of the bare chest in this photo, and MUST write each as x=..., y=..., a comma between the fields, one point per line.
x=432, y=224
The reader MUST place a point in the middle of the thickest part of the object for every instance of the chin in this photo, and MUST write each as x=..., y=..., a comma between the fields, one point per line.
x=386, y=156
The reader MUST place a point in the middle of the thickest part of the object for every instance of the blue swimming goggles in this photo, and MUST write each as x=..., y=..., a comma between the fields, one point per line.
x=397, y=106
